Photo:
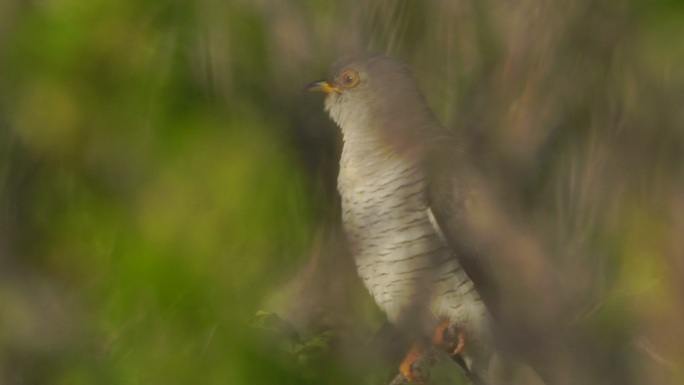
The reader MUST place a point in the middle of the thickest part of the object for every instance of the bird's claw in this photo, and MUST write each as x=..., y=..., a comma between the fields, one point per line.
x=460, y=344
x=415, y=367
x=448, y=338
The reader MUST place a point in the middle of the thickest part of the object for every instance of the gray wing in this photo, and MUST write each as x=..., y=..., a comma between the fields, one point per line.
x=525, y=311
x=451, y=195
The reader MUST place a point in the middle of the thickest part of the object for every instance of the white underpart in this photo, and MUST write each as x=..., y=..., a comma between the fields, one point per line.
x=398, y=249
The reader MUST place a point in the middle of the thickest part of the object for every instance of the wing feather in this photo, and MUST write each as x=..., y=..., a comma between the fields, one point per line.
x=452, y=195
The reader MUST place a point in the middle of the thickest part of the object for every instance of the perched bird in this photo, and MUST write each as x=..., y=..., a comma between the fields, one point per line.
x=403, y=206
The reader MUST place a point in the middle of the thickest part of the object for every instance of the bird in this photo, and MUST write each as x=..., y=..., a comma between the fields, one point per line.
x=404, y=193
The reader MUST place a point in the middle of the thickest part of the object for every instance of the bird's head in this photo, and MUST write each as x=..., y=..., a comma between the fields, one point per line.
x=371, y=90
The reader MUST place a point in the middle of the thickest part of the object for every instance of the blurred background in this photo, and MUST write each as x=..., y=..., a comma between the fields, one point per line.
x=168, y=204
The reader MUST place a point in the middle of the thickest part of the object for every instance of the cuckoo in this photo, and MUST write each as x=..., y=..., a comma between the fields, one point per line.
x=402, y=209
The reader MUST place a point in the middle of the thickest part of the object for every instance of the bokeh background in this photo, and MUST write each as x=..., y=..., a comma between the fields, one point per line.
x=168, y=207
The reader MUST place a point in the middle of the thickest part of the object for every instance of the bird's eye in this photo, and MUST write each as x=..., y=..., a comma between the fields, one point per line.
x=350, y=79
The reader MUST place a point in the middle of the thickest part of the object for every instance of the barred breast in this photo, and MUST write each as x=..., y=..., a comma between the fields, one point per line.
x=398, y=253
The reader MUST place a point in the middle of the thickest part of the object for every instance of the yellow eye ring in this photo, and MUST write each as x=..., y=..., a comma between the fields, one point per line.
x=349, y=79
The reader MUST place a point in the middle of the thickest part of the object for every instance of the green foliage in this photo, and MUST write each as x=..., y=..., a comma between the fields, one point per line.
x=162, y=176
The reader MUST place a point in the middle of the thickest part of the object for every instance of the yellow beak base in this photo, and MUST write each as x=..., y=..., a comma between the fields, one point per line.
x=321, y=86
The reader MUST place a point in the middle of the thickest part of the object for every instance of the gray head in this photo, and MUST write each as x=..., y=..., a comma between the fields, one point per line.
x=372, y=95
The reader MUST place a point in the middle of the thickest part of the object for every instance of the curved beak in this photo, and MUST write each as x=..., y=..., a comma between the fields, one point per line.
x=321, y=86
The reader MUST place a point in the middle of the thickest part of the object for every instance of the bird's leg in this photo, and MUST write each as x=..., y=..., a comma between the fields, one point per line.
x=414, y=367
x=447, y=338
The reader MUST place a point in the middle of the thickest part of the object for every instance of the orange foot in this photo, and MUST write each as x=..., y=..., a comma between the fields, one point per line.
x=414, y=368
x=444, y=338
